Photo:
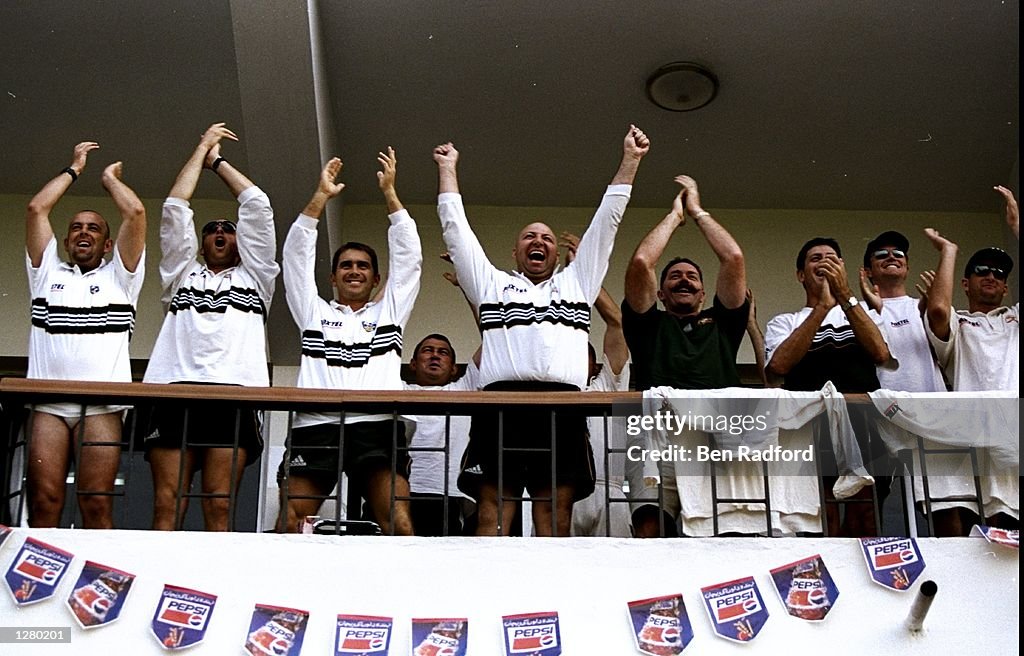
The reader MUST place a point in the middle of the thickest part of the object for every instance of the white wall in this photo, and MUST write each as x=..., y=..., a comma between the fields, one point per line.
x=588, y=581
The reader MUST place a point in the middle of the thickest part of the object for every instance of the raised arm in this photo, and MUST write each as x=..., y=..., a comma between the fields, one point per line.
x=386, y=180
x=131, y=236
x=1012, y=212
x=236, y=181
x=327, y=189
x=634, y=147
x=641, y=279
x=188, y=178
x=731, y=286
x=38, y=231
x=616, y=352
x=405, y=251
x=471, y=264
x=940, y=294
x=299, y=252
x=447, y=159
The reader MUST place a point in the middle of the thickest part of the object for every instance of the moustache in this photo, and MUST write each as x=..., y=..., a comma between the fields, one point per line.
x=684, y=287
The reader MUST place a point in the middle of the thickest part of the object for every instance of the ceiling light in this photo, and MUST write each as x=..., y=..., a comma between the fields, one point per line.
x=682, y=86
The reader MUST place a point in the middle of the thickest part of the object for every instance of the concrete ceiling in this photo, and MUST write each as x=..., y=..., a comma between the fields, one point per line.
x=874, y=104
x=869, y=105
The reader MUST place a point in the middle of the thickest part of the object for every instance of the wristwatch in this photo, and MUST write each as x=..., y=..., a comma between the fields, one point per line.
x=849, y=303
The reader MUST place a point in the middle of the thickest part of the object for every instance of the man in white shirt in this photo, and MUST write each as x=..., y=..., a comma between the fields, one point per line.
x=433, y=368
x=884, y=287
x=83, y=315
x=979, y=348
x=534, y=324
x=350, y=342
x=214, y=333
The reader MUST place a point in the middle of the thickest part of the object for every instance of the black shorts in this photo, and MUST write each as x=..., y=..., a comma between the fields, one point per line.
x=529, y=427
x=314, y=452
x=210, y=425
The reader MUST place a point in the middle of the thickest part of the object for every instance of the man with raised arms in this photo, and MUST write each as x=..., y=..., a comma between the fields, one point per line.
x=534, y=323
x=83, y=315
x=350, y=342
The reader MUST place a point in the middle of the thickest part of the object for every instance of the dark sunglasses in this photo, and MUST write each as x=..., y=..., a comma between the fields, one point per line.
x=983, y=270
x=211, y=227
x=884, y=253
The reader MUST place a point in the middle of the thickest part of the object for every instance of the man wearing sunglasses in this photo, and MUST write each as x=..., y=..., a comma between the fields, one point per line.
x=979, y=348
x=213, y=334
x=884, y=286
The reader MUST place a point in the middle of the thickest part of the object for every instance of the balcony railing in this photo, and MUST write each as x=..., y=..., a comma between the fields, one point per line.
x=248, y=509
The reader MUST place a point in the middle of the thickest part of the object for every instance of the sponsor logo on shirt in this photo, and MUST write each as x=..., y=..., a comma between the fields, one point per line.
x=901, y=322
x=512, y=288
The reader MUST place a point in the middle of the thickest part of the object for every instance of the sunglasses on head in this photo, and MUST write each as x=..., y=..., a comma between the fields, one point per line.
x=883, y=253
x=225, y=225
x=983, y=270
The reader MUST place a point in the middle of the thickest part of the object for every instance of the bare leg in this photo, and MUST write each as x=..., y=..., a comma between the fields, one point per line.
x=379, y=495
x=218, y=478
x=563, y=511
x=487, y=510
x=294, y=509
x=166, y=464
x=97, y=470
x=49, y=454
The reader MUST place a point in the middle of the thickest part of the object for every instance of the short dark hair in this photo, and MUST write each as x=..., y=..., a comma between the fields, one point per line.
x=439, y=337
x=801, y=257
x=106, y=226
x=680, y=260
x=355, y=246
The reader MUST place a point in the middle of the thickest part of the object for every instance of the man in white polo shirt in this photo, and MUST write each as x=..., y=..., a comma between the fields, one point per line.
x=979, y=348
x=534, y=324
x=83, y=315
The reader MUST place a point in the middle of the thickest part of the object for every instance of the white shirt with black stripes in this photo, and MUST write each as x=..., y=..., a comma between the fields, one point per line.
x=82, y=322
x=215, y=327
x=534, y=332
x=342, y=348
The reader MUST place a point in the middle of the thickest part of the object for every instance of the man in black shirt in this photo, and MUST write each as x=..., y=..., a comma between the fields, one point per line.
x=683, y=346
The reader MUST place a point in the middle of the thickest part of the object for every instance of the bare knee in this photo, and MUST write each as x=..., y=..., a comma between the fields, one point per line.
x=96, y=510
x=215, y=513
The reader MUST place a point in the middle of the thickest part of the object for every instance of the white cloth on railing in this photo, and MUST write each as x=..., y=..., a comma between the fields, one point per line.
x=786, y=423
x=988, y=421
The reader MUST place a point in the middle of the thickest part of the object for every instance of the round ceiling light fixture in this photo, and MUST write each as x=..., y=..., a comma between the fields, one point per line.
x=682, y=87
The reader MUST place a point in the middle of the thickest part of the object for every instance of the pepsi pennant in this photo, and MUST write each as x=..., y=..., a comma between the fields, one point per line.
x=661, y=626
x=806, y=588
x=893, y=562
x=440, y=637
x=536, y=634
x=276, y=631
x=736, y=609
x=1007, y=538
x=36, y=571
x=99, y=595
x=182, y=617
x=362, y=635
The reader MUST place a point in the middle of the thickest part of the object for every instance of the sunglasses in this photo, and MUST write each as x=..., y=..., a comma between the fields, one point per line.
x=983, y=270
x=885, y=252
x=223, y=224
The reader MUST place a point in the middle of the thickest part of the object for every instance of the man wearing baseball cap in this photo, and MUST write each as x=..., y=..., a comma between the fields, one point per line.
x=979, y=348
x=883, y=282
